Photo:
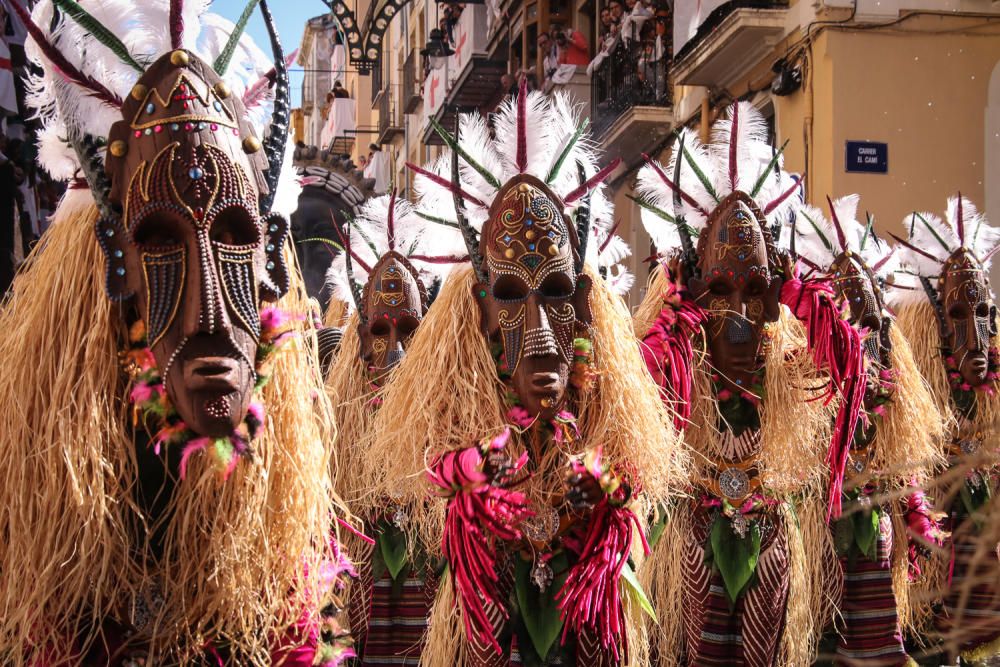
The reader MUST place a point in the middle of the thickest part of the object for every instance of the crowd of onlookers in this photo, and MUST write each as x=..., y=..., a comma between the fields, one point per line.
x=638, y=32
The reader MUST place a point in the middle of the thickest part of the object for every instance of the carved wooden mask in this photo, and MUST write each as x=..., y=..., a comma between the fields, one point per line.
x=534, y=299
x=969, y=315
x=737, y=287
x=191, y=246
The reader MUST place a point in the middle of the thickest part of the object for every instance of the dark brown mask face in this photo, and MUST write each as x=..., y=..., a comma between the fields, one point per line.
x=969, y=315
x=855, y=285
x=736, y=287
x=394, y=303
x=535, y=299
x=191, y=246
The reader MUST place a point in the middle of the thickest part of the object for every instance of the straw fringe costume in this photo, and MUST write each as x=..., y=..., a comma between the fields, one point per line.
x=376, y=274
x=606, y=428
x=136, y=529
x=890, y=456
x=753, y=586
x=949, y=317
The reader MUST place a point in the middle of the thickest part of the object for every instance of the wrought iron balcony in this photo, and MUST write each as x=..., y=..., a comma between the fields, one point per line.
x=628, y=77
x=411, y=89
x=389, y=124
x=729, y=42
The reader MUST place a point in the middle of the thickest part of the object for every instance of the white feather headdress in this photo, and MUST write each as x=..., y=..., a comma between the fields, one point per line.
x=739, y=158
x=820, y=240
x=530, y=133
x=931, y=240
x=384, y=224
x=143, y=31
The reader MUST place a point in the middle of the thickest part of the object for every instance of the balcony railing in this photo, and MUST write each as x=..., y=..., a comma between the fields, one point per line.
x=388, y=121
x=629, y=76
x=411, y=88
x=377, y=88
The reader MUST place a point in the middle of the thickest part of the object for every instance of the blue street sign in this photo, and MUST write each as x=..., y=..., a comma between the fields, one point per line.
x=867, y=156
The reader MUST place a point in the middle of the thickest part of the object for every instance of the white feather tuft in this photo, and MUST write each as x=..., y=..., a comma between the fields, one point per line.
x=144, y=29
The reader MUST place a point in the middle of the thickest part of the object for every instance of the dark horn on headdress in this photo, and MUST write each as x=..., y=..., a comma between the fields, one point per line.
x=583, y=219
x=687, y=246
x=274, y=145
x=92, y=166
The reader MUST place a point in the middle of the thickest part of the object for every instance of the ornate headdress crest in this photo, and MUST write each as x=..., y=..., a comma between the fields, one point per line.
x=536, y=140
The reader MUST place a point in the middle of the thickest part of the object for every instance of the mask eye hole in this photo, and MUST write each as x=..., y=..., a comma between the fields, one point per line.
x=871, y=322
x=958, y=311
x=756, y=286
x=720, y=288
x=380, y=327
x=510, y=288
x=157, y=231
x=407, y=326
x=557, y=286
x=235, y=227
x=982, y=310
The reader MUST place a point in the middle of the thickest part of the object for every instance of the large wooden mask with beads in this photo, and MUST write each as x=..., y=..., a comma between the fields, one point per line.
x=856, y=285
x=393, y=303
x=190, y=245
x=737, y=286
x=969, y=315
x=534, y=300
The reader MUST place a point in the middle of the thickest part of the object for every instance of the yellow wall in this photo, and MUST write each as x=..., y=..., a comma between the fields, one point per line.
x=923, y=94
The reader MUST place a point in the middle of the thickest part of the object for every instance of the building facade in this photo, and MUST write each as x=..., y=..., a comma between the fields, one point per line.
x=898, y=100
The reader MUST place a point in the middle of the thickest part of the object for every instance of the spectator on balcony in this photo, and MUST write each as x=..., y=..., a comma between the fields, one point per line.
x=571, y=46
x=550, y=60
x=639, y=11
x=617, y=10
x=339, y=91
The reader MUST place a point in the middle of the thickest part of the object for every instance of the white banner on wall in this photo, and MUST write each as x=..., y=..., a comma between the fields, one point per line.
x=688, y=17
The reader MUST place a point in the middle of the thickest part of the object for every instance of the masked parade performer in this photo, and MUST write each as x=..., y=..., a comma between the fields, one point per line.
x=891, y=454
x=951, y=322
x=521, y=391
x=741, y=567
x=389, y=283
x=174, y=507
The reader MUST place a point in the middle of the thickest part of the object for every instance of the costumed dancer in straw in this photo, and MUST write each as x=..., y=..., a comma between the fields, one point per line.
x=522, y=392
x=378, y=275
x=175, y=507
x=743, y=349
x=891, y=453
x=951, y=323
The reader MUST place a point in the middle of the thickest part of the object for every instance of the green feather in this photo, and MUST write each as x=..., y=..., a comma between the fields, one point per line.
x=933, y=233
x=699, y=173
x=868, y=230
x=436, y=220
x=453, y=145
x=770, y=165
x=554, y=171
x=320, y=239
x=652, y=208
x=99, y=32
x=826, y=242
x=364, y=237
x=221, y=63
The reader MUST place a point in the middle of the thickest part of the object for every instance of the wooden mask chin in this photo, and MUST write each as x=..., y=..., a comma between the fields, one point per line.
x=393, y=302
x=190, y=244
x=737, y=287
x=534, y=299
x=969, y=315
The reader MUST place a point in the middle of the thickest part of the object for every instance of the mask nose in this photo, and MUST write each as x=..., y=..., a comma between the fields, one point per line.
x=539, y=339
x=205, y=309
x=394, y=356
x=739, y=329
